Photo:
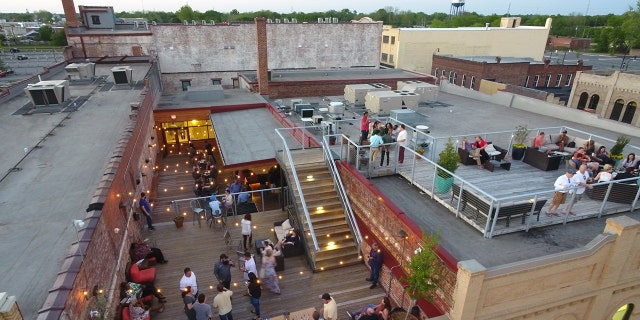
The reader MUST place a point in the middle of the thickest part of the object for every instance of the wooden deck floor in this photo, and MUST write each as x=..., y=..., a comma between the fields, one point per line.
x=199, y=247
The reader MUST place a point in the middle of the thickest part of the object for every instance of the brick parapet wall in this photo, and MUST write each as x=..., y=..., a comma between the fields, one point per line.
x=106, y=253
x=372, y=206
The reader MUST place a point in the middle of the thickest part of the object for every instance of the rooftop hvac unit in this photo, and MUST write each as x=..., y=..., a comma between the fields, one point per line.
x=335, y=20
x=193, y=22
x=269, y=21
x=320, y=20
x=294, y=20
x=78, y=71
x=213, y=23
x=277, y=20
x=204, y=22
x=46, y=93
x=186, y=23
x=286, y=20
x=122, y=75
x=327, y=20
x=146, y=24
x=154, y=22
x=294, y=102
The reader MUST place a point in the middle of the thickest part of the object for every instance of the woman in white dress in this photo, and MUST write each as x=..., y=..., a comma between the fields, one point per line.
x=269, y=276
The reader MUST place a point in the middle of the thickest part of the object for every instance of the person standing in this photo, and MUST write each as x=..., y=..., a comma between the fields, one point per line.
x=145, y=207
x=249, y=266
x=562, y=185
x=330, y=308
x=375, y=263
x=364, y=127
x=387, y=139
x=402, y=141
x=580, y=179
x=374, y=142
x=222, y=270
x=222, y=302
x=270, y=277
x=203, y=310
x=189, y=301
x=189, y=280
x=254, y=291
x=245, y=223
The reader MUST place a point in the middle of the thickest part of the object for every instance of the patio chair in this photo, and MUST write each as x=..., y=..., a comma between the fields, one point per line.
x=198, y=211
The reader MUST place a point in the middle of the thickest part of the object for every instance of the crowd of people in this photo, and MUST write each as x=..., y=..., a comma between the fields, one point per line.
x=381, y=138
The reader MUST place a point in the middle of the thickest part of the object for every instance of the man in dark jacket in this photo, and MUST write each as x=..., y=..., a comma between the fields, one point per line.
x=375, y=262
x=222, y=270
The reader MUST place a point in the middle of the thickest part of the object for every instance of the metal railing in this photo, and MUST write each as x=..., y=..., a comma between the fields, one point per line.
x=328, y=155
x=183, y=206
x=288, y=159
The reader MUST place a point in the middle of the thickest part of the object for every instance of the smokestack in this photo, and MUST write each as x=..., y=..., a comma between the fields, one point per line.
x=70, y=13
x=263, y=67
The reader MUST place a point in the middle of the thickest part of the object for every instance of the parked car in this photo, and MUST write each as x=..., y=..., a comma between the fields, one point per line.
x=22, y=57
x=14, y=50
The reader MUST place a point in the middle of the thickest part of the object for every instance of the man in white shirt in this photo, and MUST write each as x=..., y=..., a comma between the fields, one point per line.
x=580, y=180
x=402, y=141
x=249, y=266
x=189, y=279
x=562, y=185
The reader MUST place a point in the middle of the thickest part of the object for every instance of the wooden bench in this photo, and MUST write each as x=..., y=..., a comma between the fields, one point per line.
x=507, y=209
x=620, y=192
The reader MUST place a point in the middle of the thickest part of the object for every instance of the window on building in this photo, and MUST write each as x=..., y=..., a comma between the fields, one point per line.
x=526, y=81
x=385, y=39
x=536, y=79
x=547, y=80
x=627, y=117
x=95, y=19
x=593, y=104
x=384, y=57
x=391, y=58
x=185, y=131
x=463, y=82
x=451, y=76
x=568, y=83
x=236, y=83
x=435, y=73
x=616, y=111
x=185, y=84
x=216, y=81
x=558, y=80
x=443, y=73
x=472, y=85
x=455, y=77
x=393, y=40
x=582, y=102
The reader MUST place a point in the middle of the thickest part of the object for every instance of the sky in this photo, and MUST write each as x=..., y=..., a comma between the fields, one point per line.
x=484, y=7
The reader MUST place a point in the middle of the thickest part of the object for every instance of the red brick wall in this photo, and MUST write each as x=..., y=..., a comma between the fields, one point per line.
x=261, y=44
x=70, y=13
x=281, y=90
x=372, y=206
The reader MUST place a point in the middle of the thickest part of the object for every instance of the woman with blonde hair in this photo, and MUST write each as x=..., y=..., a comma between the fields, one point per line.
x=269, y=275
x=605, y=174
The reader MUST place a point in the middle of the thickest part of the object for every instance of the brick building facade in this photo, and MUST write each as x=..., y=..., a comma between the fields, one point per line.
x=467, y=72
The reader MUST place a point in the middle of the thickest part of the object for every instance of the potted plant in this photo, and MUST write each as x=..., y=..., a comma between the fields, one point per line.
x=520, y=139
x=178, y=220
x=420, y=151
x=423, y=272
x=448, y=159
x=616, y=152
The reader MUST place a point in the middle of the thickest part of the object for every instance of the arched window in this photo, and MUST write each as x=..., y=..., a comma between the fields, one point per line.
x=624, y=313
x=464, y=80
x=473, y=83
x=593, y=103
x=451, y=79
x=443, y=73
x=616, y=111
x=629, y=112
x=455, y=77
x=436, y=72
x=583, y=100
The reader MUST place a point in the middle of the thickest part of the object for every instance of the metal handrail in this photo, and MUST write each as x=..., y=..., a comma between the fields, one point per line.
x=297, y=183
x=341, y=192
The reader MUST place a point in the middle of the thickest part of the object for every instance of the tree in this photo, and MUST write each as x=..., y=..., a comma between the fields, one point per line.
x=43, y=16
x=59, y=38
x=423, y=273
x=45, y=32
x=186, y=13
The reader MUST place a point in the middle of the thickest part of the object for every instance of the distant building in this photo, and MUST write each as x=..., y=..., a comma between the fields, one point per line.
x=613, y=96
x=413, y=48
x=570, y=43
x=468, y=71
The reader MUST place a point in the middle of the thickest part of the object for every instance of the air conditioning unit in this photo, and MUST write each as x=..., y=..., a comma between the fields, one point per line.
x=277, y=20
x=269, y=21
x=320, y=20
x=335, y=20
x=44, y=93
x=327, y=20
x=286, y=20
x=78, y=71
x=294, y=20
x=122, y=75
